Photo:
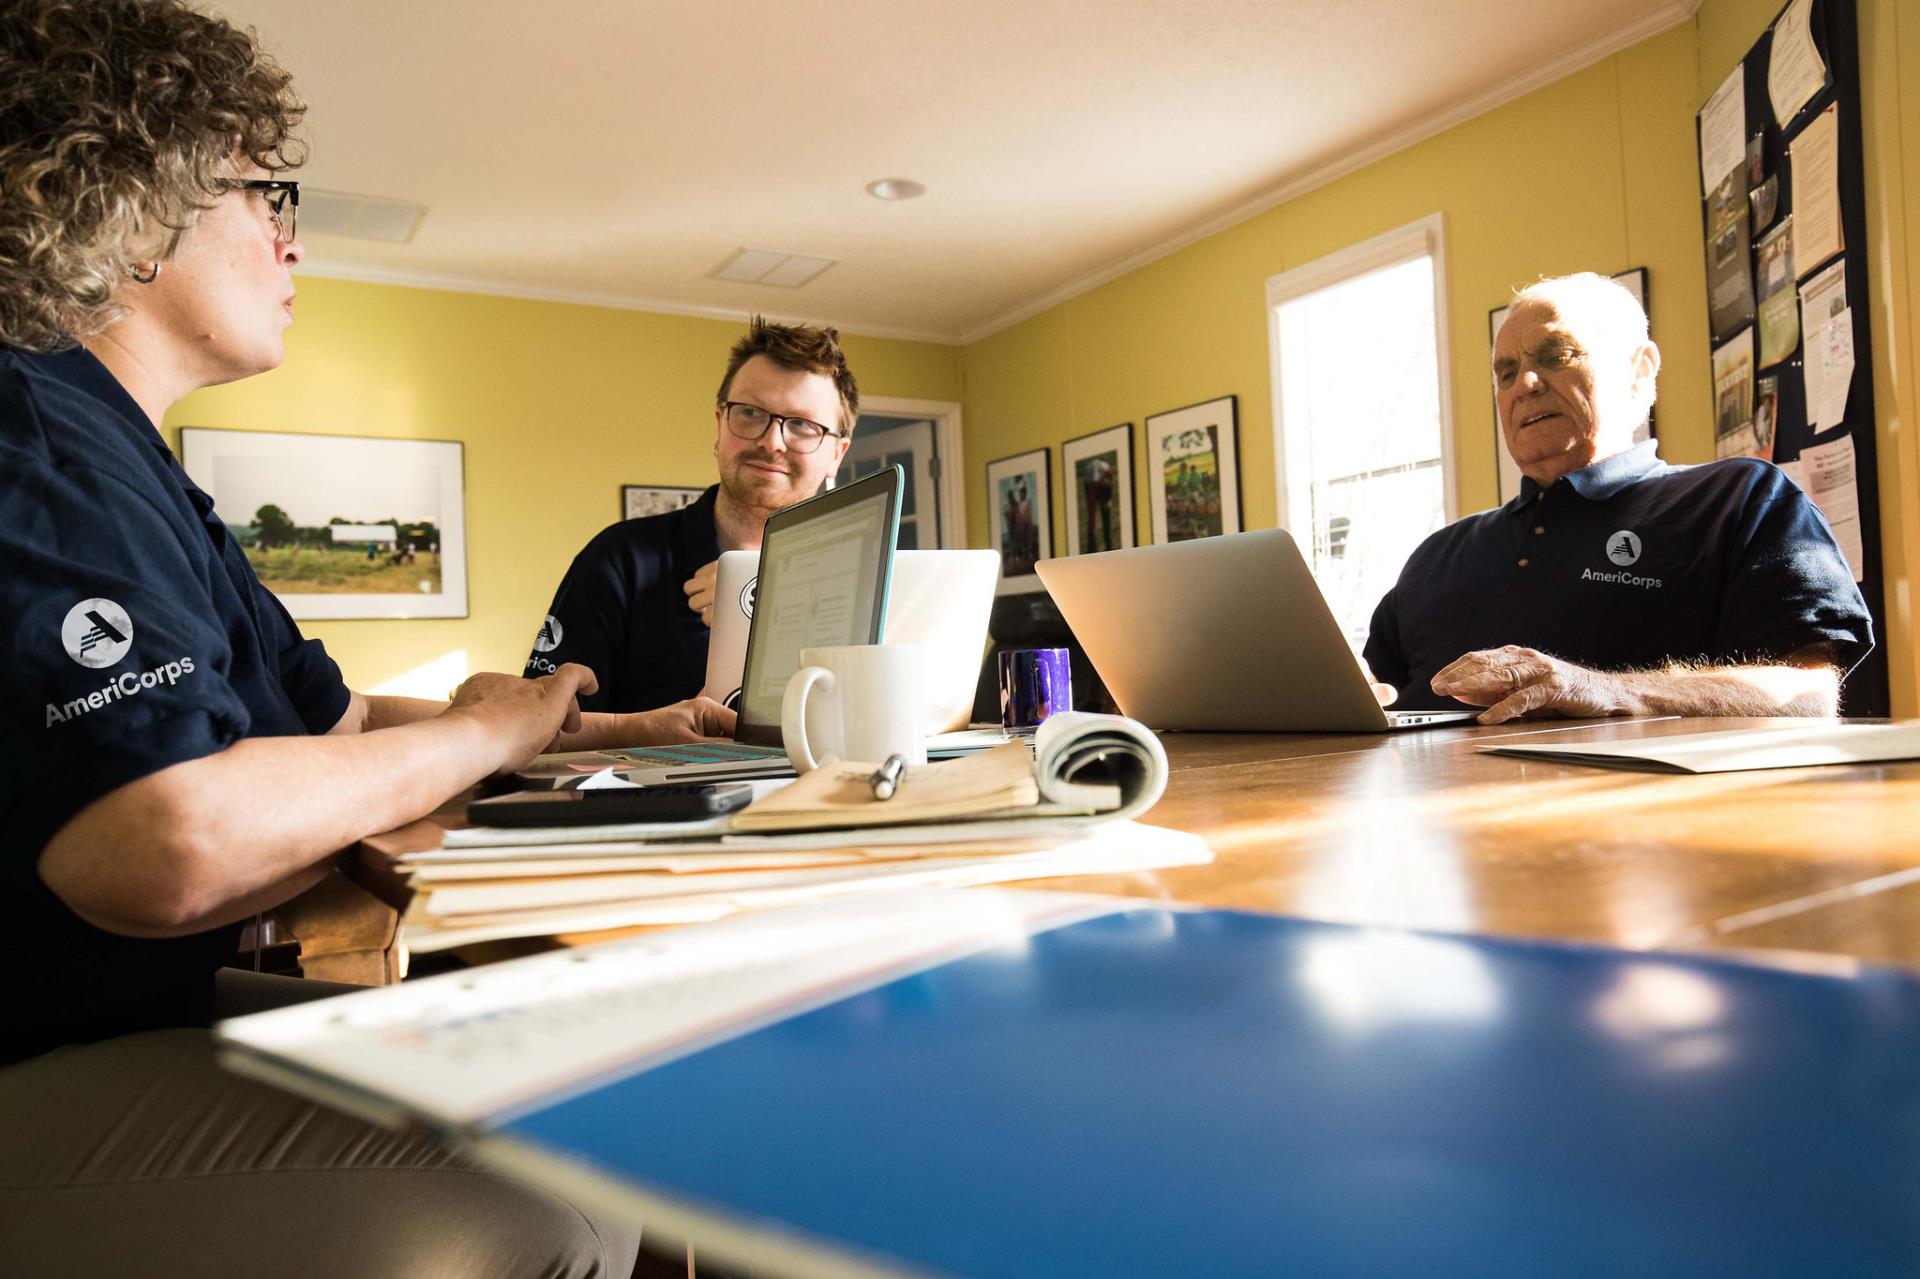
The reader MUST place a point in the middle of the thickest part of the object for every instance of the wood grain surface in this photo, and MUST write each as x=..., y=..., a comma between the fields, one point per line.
x=1423, y=829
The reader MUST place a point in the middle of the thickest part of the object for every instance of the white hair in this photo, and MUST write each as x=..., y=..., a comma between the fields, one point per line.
x=1606, y=311
x=1608, y=319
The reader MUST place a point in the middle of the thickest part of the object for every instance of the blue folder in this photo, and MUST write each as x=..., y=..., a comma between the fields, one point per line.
x=1208, y=1093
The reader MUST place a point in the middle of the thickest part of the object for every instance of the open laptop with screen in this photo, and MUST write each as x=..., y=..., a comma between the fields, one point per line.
x=941, y=601
x=1225, y=634
x=826, y=565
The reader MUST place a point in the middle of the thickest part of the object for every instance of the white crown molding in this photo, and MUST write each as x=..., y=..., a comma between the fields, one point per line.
x=362, y=274
x=1669, y=15
x=1672, y=14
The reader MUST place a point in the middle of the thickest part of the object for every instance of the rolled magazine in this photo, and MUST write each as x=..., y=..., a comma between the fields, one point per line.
x=1077, y=754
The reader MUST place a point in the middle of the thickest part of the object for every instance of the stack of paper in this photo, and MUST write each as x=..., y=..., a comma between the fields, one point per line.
x=996, y=817
x=533, y=895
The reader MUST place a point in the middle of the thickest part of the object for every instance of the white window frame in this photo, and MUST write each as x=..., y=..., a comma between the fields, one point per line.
x=952, y=480
x=1423, y=238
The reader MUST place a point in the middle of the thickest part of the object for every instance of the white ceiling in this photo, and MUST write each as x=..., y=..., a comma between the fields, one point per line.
x=616, y=152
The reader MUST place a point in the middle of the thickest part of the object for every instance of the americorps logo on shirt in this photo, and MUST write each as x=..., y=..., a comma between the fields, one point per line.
x=545, y=642
x=1623, y=548
x=97, y=633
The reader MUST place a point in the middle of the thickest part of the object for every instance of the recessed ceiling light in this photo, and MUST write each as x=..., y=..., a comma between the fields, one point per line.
x=896, y=189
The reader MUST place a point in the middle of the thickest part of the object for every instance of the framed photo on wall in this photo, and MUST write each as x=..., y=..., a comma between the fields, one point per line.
x=1193, y=465
x=1021, y=514
x=341, y=526
x=1097, y=470
x=640, y=500
x=1635, y=280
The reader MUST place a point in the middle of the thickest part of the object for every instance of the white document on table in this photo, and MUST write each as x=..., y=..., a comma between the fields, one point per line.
x=1791, y=744
x=480, y=1044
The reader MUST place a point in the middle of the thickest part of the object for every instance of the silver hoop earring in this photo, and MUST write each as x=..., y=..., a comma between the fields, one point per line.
x=153, y=273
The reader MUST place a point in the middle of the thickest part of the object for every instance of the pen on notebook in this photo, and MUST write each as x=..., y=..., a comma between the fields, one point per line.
x=887, y=779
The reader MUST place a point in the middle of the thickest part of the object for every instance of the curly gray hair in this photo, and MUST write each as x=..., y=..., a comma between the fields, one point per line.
x=120, y=120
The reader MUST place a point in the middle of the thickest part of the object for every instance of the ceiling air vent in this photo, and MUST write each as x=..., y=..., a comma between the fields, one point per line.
x=361, y=217
x=762, y=266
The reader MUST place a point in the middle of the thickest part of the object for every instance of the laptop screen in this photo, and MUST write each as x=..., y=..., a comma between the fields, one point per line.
x=824, y=569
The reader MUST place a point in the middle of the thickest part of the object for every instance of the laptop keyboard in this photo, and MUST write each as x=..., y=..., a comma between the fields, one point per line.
x=700, y=753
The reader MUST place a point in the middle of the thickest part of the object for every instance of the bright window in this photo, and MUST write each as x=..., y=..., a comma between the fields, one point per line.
x=1363, y=441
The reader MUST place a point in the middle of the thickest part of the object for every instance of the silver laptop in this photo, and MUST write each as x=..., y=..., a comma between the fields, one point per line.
x=1225, y=634
x=939, y=600
x=827, y=566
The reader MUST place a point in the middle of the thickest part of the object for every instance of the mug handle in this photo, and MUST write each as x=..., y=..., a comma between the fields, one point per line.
x=793, y=715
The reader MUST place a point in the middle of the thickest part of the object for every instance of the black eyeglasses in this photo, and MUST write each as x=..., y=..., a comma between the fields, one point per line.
x=750, y=422
x=282, y=197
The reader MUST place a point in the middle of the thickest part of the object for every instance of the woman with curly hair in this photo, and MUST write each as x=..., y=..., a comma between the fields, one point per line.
x=174, y=756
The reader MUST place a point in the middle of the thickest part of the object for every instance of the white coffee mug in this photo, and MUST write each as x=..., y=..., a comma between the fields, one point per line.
x=859, y=702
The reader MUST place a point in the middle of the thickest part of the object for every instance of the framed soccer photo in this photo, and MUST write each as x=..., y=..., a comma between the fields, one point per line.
x=1194, y=471
x=639, y=500
x=1098, y=472
x=341, y=526
x=1022, y=517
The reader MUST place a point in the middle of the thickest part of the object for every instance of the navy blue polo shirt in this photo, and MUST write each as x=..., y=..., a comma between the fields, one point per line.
x=137, y=638
x=1628, y=563
x=622, y=611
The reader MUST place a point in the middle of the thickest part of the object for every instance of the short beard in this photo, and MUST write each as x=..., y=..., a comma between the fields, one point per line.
x=747, y=497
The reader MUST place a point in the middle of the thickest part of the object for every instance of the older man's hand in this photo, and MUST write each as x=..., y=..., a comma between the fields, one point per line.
x=1513, y=682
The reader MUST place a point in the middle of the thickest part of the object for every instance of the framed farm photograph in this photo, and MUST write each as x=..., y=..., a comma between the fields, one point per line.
x=341, y=526
x=640, y=500
x=1098, y=472
x=1021, y=516
x=1194, y=477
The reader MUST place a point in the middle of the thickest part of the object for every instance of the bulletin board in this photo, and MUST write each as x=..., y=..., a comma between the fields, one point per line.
x=1783, y=221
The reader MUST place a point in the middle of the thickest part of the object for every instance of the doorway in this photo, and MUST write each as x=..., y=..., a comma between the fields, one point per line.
x=923, y=439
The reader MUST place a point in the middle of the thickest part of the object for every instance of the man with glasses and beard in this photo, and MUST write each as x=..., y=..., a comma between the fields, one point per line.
x=636, y=605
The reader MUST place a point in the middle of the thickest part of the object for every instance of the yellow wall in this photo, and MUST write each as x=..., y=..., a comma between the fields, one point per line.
x=558, y=405
x=1594, y=172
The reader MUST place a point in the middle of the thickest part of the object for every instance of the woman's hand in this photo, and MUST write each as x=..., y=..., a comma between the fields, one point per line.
x=519, y=718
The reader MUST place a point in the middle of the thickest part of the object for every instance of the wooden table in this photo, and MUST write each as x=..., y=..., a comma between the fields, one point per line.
x=1423, y=830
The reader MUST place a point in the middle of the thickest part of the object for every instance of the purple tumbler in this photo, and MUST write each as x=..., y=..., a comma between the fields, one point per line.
x=1034, y=683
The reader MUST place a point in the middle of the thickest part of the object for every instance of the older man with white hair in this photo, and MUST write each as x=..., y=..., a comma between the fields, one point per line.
x=1615, y=584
